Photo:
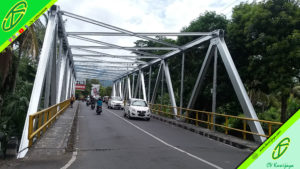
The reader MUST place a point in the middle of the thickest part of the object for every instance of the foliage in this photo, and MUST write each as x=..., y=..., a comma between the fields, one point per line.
x=15, y=104
x=17, y=77
x=266, y=36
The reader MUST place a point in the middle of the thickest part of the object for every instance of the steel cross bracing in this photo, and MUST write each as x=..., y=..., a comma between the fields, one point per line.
x=58, y=67
x=55, y=76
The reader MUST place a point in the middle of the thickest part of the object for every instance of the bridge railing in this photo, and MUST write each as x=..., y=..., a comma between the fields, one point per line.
x=192, y=116
x=42, y=120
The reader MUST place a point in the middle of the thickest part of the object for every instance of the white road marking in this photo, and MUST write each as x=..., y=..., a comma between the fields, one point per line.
x=71, y=161
x=165, y=143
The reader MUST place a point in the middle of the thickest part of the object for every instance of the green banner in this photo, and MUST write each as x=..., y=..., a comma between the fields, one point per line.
x=17, y=15
x=281, y=150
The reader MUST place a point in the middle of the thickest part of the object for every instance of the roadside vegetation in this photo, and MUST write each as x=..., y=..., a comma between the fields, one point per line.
x=264, y=41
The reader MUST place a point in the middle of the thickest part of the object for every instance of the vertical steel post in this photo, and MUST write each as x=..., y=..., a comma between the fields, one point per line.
x=48, y=81
x=114, y=89
x=68, y=80
x=239, y=89
x=125, y=92
x=65, y=80
x=137, y=86
x=128, y=86
x=182, y=81
x=143, y=85
x=132, y=89
x=71, y=83
x=62, y=69
x=149, y=83
x=170, y=87
x=124, y=88
x=39, y=80
x=162, y=87
x=214, y=91
x=120, y=88
x=54, y=70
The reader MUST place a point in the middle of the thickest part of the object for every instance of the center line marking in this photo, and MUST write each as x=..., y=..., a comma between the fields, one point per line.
x=165, y=143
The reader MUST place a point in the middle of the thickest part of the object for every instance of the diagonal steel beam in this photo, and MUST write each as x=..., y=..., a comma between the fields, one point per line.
x=85, y=19
x=167, y=55
x=201, y=76
x=142, y=33
x=109, y=45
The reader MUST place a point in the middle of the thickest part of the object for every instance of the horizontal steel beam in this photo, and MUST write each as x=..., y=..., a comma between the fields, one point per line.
x=98, y=72
x=88, y=20
x=167, y=55
x=103, y=61
x=98, y=58
x=127, y=48
x=101, y=69
x=95, y=77
x=142, y=33
x=118, y=56
x=125, y=60
x=105, y=66
x=110, y=55
x=108, y=44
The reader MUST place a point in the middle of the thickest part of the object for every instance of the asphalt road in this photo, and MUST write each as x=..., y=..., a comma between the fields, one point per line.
x=110, y=141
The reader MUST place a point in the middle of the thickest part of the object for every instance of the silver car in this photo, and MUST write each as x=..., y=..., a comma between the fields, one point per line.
x=115, y=103
x=137, y=108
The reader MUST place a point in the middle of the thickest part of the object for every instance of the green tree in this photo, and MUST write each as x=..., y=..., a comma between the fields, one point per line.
x=266, y=36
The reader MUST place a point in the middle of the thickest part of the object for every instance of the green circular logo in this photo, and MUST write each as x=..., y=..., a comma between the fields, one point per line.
x=281, y=148
x=14, y=16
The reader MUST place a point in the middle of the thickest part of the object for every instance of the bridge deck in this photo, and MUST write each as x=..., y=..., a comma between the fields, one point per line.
x=112, y=141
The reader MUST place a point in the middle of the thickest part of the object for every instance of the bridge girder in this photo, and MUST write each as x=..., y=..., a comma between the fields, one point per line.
x=57, y=70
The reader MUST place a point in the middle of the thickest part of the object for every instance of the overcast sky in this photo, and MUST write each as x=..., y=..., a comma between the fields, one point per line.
x=138, y=16
x=142, y=15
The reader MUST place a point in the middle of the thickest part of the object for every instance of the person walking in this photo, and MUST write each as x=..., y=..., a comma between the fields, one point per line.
x=72, y=100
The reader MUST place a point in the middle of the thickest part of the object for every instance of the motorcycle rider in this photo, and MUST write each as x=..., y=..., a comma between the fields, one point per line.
x=88, y=100
x=93, y=101
x=99, y=103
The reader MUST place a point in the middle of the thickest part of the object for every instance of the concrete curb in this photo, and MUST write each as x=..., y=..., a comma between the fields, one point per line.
x=58, y=138
x=72, y=134
x=223, y=138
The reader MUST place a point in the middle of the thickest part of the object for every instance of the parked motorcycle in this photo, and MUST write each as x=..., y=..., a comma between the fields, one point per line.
x=99, y=110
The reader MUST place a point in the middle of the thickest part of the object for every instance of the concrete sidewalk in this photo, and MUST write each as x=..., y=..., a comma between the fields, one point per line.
x=51, y=150
x=55, y=141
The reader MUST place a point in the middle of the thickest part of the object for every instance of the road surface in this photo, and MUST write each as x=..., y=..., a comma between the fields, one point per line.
x=110, y=141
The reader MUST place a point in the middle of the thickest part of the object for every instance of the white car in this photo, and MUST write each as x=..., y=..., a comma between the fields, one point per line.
x=137, y=108
x=115, y=102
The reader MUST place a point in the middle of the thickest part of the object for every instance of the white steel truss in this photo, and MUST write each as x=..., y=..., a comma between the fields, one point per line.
x=57, y=71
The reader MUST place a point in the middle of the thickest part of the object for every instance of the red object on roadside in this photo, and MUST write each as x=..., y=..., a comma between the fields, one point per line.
x=80, y=87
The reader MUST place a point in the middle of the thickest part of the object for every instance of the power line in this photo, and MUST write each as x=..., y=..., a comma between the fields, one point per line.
x=230, y=5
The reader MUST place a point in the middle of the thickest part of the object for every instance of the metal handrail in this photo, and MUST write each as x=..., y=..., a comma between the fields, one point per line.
x=158, y=108
x=40, y=121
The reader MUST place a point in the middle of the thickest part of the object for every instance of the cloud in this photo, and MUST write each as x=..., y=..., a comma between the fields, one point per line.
x=136, y=16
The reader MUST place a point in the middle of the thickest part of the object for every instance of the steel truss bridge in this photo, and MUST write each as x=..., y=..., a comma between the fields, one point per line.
x=59, y=67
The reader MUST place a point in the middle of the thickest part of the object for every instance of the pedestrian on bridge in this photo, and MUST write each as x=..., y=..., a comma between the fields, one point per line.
x=72, y=100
